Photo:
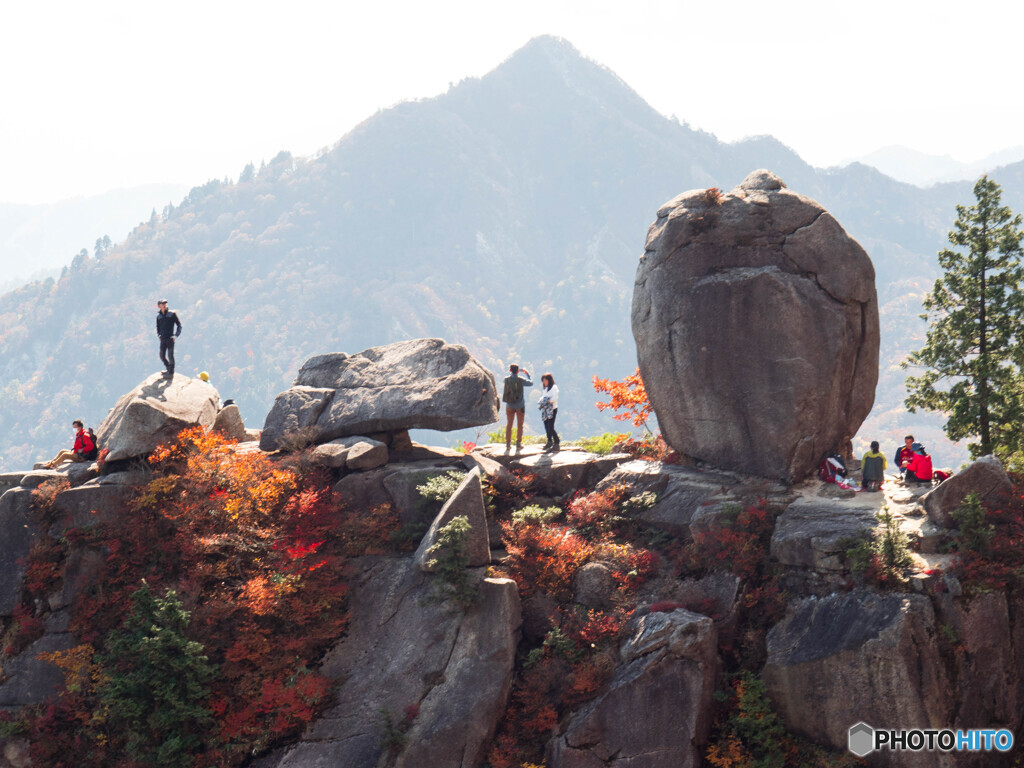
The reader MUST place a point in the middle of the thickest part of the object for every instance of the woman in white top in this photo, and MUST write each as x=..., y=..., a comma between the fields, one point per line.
x=549, y=409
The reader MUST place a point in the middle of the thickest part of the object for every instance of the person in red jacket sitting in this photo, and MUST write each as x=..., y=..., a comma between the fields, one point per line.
x=84, y=449
x=919, y=468
x=904, y=454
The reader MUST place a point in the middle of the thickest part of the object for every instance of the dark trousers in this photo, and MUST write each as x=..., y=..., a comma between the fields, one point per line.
x=167, y=352
x=549, y=427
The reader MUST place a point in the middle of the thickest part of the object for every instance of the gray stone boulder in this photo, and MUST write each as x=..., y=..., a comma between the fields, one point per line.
x=682, y=493
x=657, y=709
x=467, y=501
x=88, y=505
x=418, y=384
x=814, y=533
x=557, y=474
x=756, y=323
x=403, y=650
x=154, y=413
x=859, y=657
x=594, y=585
x=229, y=423
x=459, y=716
x=356, y=453
x=29, y=680
x=985, y=477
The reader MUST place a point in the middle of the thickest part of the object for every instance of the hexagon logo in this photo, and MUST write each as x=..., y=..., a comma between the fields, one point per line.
x=861, y=739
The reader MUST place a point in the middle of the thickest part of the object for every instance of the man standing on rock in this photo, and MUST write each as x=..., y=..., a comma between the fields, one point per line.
x=168, y=327
x=515, y=404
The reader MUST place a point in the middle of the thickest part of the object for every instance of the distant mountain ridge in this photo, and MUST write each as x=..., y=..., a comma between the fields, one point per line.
x=40, y=238
x=923, y=170
x=506, y=214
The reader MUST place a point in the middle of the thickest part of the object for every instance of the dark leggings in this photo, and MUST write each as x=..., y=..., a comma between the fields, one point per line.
x=549, y=427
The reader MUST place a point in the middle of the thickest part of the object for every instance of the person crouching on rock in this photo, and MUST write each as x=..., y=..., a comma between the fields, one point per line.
x=166, y=322
x=919, y=469
x=548, y=405
x=84, y=449
x=515, y=404
x=873, y=468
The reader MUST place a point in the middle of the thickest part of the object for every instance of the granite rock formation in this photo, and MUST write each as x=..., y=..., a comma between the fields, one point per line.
x=418, y=384
x=756, y=322
x=154, y=412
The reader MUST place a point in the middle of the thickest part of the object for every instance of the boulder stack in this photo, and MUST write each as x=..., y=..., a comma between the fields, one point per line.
x=756, y=323
x=418, y=384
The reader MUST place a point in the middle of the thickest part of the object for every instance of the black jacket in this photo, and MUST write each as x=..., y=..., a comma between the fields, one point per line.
x=165, y=323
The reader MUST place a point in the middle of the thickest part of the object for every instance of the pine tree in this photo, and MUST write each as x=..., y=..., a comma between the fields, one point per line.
x=971, y=355
x=157, y=683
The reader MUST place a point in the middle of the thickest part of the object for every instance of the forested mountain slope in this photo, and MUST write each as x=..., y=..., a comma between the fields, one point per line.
x=506, y=214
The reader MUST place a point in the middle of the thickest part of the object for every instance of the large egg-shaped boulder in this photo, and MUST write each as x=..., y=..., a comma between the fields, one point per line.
x=756, y=323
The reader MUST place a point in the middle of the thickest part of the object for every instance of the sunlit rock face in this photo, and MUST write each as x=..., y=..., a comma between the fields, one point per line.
x=756, y=322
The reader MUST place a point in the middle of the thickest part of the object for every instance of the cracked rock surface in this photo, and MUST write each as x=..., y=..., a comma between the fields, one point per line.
x=756, y=322
x=403, y=649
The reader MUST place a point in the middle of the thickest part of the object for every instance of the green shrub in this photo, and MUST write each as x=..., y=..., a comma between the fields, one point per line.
x=449, y=557
x=602, y=444
x=157, y=683
x=391, y=731
x=440, y=487
x=976, y=531
x=534, y=515
x=498, y=436
x=883, y=555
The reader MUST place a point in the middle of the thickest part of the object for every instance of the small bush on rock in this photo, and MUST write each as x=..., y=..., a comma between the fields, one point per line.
x=602, y=444
x=449, y=557
x=439, y=488
x=882, y=557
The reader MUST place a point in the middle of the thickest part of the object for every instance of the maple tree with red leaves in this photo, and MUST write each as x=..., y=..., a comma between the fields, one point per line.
x=628, y=397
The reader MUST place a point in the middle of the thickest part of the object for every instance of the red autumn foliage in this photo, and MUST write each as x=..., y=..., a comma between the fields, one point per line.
x=998, y=565
x=543, y=558
x=649, y=448
x=628, y=397
x=596, y=513
x=257, y=553
x=739, y=545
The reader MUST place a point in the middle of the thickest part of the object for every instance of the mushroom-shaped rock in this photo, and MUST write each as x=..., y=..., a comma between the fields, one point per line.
x=756, y=323
x=418, y=384
x=154, y=413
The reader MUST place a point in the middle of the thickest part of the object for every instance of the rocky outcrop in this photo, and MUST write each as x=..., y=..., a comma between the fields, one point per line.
x=814, y=533
x=229, y=423
x=985, y=477
x=17, y=531
x=556, y=474
x=859, y=657
x=403, y=653
x=756, y=323
x=355, y=453
x=682, y=494
x=154, y=413
x=657, y=709
x=418, y=384
x=467, y=501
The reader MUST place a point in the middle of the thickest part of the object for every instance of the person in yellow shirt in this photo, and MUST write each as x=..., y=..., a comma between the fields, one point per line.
x=873, y=468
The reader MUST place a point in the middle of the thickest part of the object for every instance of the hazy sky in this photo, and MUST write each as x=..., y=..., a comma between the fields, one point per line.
x=107, y=94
